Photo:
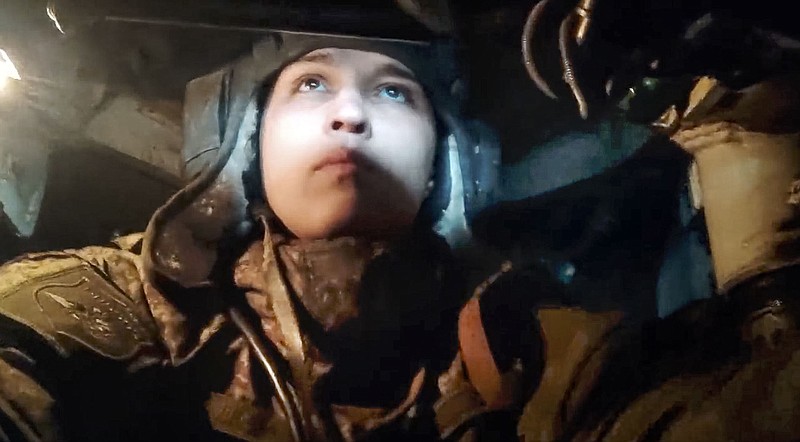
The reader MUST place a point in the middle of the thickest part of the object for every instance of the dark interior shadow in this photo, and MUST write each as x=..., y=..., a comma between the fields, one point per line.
x=92, y=195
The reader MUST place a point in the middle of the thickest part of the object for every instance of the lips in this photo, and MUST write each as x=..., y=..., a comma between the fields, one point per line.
x=339, y=160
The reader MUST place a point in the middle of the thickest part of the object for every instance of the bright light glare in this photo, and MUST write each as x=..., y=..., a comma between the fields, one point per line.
x=51, y=14
x=7, y=69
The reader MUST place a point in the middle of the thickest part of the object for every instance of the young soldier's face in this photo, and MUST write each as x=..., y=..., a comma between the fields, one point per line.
x=347, y=145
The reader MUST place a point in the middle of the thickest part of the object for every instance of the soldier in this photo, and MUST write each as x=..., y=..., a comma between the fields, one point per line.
x=725, y=368
x=293, y=290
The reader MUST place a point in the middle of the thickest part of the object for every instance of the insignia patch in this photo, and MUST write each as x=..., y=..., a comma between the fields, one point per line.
x=79, y=306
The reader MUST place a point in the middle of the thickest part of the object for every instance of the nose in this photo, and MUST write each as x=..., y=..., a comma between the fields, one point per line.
x=348, y=115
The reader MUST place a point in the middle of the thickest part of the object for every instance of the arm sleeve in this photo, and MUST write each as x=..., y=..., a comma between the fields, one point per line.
x=60, y=313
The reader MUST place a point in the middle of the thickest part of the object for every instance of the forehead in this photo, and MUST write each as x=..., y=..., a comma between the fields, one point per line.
x=356, y=61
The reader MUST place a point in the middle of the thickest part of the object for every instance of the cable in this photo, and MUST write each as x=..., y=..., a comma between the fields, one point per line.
x=527, y=57
x=569, y=72
x=285, y=397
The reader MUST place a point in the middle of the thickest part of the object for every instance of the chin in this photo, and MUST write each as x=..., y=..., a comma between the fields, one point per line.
x=329, y=222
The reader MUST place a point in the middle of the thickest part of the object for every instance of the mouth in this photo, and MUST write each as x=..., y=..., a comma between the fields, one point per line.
x=340, y=161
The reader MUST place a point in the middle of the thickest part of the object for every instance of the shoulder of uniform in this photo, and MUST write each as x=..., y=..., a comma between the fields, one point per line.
x=77, y=299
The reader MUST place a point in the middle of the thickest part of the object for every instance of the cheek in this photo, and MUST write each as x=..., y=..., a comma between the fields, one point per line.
x=286, y=146
x=407, y=148
x=284, y=153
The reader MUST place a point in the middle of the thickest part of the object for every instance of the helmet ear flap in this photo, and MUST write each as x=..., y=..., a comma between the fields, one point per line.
x=466, y=178
x=206, y=102
x=485, y=158
x=439, y=196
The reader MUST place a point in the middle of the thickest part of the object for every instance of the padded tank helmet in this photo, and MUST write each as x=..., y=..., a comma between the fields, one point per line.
x=222, y=113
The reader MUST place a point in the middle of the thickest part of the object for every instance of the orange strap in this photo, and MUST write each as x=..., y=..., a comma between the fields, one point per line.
x=476, y=353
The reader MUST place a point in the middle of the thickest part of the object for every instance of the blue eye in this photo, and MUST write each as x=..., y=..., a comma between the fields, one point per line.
x=312, y=84
x=394, y=93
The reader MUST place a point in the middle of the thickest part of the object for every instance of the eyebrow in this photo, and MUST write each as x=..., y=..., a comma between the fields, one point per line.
x=317, y=57
x=393, y=70
x=385, y=69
